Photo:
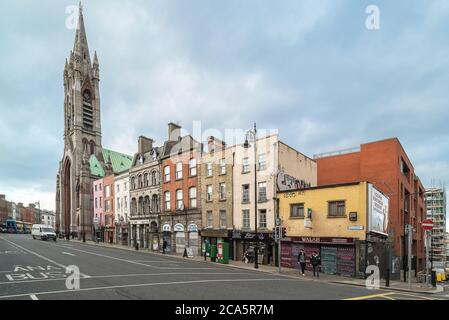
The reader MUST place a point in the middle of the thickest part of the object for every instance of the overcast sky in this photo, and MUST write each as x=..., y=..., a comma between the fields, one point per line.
x=310, y=69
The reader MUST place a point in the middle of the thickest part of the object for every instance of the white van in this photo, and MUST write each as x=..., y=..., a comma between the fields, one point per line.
x=43, y=232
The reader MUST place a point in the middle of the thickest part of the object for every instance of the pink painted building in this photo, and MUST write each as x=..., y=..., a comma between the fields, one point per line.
x=99, y=213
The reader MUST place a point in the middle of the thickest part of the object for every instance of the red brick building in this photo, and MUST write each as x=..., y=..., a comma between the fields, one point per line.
x=181, y=201
x=386, y=165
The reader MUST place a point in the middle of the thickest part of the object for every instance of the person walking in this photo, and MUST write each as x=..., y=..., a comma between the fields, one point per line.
x=316, y=262
x=302, y=261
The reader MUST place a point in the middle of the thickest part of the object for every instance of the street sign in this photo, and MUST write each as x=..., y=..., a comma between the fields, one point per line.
x=427, y=224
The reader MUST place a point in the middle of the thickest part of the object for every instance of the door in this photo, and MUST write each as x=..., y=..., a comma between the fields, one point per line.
x=346, y=261
x=180, y=242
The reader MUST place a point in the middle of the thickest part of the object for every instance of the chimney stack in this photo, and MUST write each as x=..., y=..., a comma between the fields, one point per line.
x=214, y=144
x=2, y=197
x=174, y=132
x=145, y=144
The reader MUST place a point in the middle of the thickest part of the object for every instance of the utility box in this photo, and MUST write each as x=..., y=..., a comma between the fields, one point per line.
x=213, y=253
x=223, y=253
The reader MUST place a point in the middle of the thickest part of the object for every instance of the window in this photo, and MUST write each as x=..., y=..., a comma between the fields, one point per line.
x=245, y=216
x=154, y=178
x=263, y=218
x=245, y=193
x=245, y=165
x=192, y=167
x=179, y=202
x=88, y=112
x=126, y=203
x=95, y=187
x=179, y=170
x=133, y=183
x=262, y=189
x=107, y=191
x=118, y=203
x=118, y=188
x=101, y=201
x=107, y=204
x=209, y=169
x=223, y=219
x=167, y=200
x=140, y=181
x=147, y=180
x=167, y=174
x=222, y=166
x=297, y=210
x=100, y=187
x=126, y=186
x=336, y=209
x=222, y=191
x=209, y=193
x=96, y=203
x=210, y=219
x=192, y=197
x=262, y=162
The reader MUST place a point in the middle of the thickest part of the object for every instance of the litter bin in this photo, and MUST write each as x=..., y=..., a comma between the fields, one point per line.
x=213, y=253
x=223, y=252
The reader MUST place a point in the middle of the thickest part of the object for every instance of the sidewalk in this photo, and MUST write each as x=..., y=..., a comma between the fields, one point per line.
x=293, y=273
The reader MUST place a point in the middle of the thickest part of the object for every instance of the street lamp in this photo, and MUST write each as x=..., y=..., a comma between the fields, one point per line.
x=252, y=135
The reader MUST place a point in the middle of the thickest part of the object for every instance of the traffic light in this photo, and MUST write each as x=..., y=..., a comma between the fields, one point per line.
x=284, y=233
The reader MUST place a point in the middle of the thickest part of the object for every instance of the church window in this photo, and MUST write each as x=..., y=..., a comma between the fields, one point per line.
x=88, y=113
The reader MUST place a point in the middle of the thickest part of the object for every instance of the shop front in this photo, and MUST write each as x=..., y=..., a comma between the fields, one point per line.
x=338, y=255
x=245, y=242
x=121, y=233
x=213, y=237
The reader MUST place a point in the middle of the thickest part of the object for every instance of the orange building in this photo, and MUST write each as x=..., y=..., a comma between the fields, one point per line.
x=385, y=164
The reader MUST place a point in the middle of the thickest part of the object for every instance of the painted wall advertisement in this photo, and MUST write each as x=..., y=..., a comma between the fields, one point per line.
x=378, y=206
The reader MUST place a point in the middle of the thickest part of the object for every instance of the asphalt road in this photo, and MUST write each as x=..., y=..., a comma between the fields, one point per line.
x=36, y=270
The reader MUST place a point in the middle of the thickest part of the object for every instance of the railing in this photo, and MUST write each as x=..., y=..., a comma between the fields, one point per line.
x=336, y=153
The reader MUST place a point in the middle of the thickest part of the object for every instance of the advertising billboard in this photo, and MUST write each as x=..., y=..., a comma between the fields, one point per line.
x=378, y=206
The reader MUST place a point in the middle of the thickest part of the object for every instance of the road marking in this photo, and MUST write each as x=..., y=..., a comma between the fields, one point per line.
x=44, y=258
x=372, y=296
x=134, y=275
x=33, y=297
x=12, y=244
x=140, y=285
x=69, y=254
x=137, y=263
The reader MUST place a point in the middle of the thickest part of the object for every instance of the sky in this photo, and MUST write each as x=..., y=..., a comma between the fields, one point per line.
x=310, y=69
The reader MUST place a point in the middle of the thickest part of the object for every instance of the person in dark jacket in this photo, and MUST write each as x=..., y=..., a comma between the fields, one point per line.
x=316, y=262
x=302, y=261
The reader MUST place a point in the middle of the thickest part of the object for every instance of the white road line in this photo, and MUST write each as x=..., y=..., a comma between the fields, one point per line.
x=131, y=275
x=139, y=285
x=14, y=245
x=69, y=254
x=44, y=258
x=136, y=263
x=33, y=297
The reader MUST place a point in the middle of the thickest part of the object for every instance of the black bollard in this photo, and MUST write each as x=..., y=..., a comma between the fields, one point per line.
x=387, y=278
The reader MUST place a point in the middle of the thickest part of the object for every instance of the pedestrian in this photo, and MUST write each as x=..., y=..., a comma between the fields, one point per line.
x=164, y=246
x=316, y=262
x=302, y=261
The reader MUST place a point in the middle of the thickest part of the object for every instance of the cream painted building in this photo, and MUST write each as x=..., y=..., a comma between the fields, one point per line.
x=279, y=168
x=122, y=208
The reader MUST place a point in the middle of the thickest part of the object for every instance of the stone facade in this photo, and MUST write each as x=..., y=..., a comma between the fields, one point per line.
x=145, y=196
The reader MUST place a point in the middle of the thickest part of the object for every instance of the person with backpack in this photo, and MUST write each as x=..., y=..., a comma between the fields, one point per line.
x=302, y=261
x=316, y=262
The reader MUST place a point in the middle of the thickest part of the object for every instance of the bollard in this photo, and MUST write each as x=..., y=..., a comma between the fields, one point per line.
x=434, y=278
x=387, y=278
x=137, y=246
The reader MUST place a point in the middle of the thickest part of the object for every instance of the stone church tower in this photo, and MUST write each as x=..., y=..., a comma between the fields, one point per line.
x=82, y=139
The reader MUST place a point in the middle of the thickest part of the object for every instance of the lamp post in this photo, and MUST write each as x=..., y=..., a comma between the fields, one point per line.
x=252, y=135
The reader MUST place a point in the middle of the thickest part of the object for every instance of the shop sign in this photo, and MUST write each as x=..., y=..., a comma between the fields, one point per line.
x=192, y=228
x=239, y=235
x=178, y=228
x=320, y=240
x=356, y=228
x=166, y=228
x=140, y=221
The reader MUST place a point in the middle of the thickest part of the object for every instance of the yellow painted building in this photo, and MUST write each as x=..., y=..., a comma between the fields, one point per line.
x=345, y=224
x=336, y=211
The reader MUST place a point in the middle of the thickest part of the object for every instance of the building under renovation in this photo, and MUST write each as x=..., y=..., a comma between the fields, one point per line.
x=436, y=210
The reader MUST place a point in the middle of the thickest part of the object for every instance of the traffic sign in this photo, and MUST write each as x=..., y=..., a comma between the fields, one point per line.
x=427, y=224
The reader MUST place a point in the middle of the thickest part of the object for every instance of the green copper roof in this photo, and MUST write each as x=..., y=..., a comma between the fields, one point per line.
x=120, y=163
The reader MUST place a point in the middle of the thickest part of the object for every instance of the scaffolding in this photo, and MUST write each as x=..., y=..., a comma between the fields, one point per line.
x=436, y=210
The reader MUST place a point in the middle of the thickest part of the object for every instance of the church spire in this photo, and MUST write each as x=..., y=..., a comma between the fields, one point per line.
x=81, y=47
